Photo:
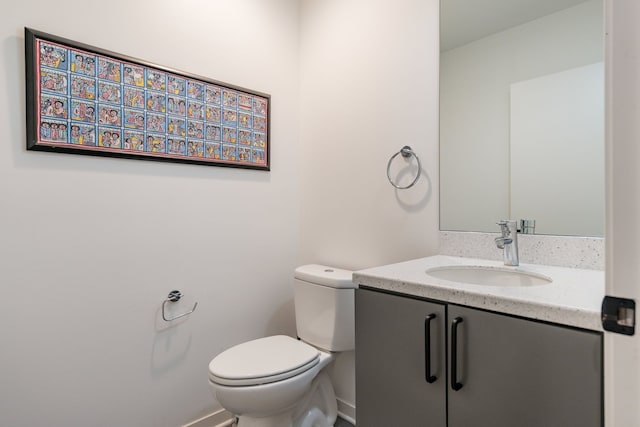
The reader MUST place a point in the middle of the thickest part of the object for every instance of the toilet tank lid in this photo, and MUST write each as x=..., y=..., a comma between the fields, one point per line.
x=324, y=275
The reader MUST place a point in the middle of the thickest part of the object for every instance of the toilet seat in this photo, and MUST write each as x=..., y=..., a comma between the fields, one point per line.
x=263, y=361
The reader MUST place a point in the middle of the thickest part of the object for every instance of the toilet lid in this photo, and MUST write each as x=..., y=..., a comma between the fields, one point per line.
x=262, y=361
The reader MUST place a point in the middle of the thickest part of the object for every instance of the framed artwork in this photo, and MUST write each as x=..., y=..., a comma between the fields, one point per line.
x=85, y=100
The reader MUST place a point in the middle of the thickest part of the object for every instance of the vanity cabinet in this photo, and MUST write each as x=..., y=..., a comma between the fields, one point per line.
x=426, y=363
x=394, y=335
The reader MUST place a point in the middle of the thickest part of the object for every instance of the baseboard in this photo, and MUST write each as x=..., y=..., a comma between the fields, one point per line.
x=347, y=411
x=220, y=418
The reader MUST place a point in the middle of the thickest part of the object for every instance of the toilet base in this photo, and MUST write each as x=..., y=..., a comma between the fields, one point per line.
x=280, y=420
x=318, y=408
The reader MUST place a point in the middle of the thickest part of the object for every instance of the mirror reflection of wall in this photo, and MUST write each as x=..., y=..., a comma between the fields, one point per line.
x=522, y=115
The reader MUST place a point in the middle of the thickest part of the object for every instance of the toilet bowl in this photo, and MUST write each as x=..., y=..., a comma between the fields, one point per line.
x=279, y=381
x=279, y=377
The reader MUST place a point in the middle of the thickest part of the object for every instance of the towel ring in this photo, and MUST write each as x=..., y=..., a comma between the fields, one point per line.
x=175, y=296
x=406, y=152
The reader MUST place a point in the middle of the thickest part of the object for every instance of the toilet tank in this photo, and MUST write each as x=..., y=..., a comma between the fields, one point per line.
x=324, y=302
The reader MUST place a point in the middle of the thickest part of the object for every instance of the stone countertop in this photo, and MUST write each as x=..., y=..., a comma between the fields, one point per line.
x=573, y=298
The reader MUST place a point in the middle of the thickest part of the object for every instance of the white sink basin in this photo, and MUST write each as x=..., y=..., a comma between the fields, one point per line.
x=489, y=276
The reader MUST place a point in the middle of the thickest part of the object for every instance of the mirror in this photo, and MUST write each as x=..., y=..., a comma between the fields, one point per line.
x=522, y=115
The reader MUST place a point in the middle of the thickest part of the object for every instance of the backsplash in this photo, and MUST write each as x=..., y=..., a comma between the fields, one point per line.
x=560, y=251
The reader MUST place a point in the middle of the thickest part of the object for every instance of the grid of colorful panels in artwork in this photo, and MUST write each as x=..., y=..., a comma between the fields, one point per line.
x=93, y=101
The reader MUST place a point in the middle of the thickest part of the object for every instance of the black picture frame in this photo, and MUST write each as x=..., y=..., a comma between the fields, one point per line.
x=81, y=99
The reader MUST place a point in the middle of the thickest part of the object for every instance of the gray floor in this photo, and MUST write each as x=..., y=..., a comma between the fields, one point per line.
x=342, y=423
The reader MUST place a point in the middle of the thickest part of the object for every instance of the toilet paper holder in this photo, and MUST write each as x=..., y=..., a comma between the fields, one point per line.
x=175, y=296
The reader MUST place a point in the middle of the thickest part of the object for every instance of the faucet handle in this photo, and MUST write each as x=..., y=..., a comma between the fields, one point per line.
x=504, y=227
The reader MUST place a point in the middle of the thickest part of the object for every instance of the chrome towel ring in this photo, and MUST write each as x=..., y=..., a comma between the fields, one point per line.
x=175, y=296
x=406, y=152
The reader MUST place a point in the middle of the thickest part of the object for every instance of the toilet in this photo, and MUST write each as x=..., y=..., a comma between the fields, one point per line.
x=279, y=381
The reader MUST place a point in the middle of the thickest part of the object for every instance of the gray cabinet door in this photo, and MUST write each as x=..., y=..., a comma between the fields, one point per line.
x=516, y=372
x=391, y=383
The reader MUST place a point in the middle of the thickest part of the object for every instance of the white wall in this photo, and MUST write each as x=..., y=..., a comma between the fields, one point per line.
x=90, y=247
x=475, y=80
x=369, y=82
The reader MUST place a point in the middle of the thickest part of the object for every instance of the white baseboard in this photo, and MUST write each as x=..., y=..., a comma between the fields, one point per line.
x=347, y=411
x=220, y=418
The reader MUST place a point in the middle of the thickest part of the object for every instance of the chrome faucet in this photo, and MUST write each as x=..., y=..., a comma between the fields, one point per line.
x=508, y=241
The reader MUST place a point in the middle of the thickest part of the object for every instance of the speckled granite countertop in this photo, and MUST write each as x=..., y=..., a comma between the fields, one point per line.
x=573, y=298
